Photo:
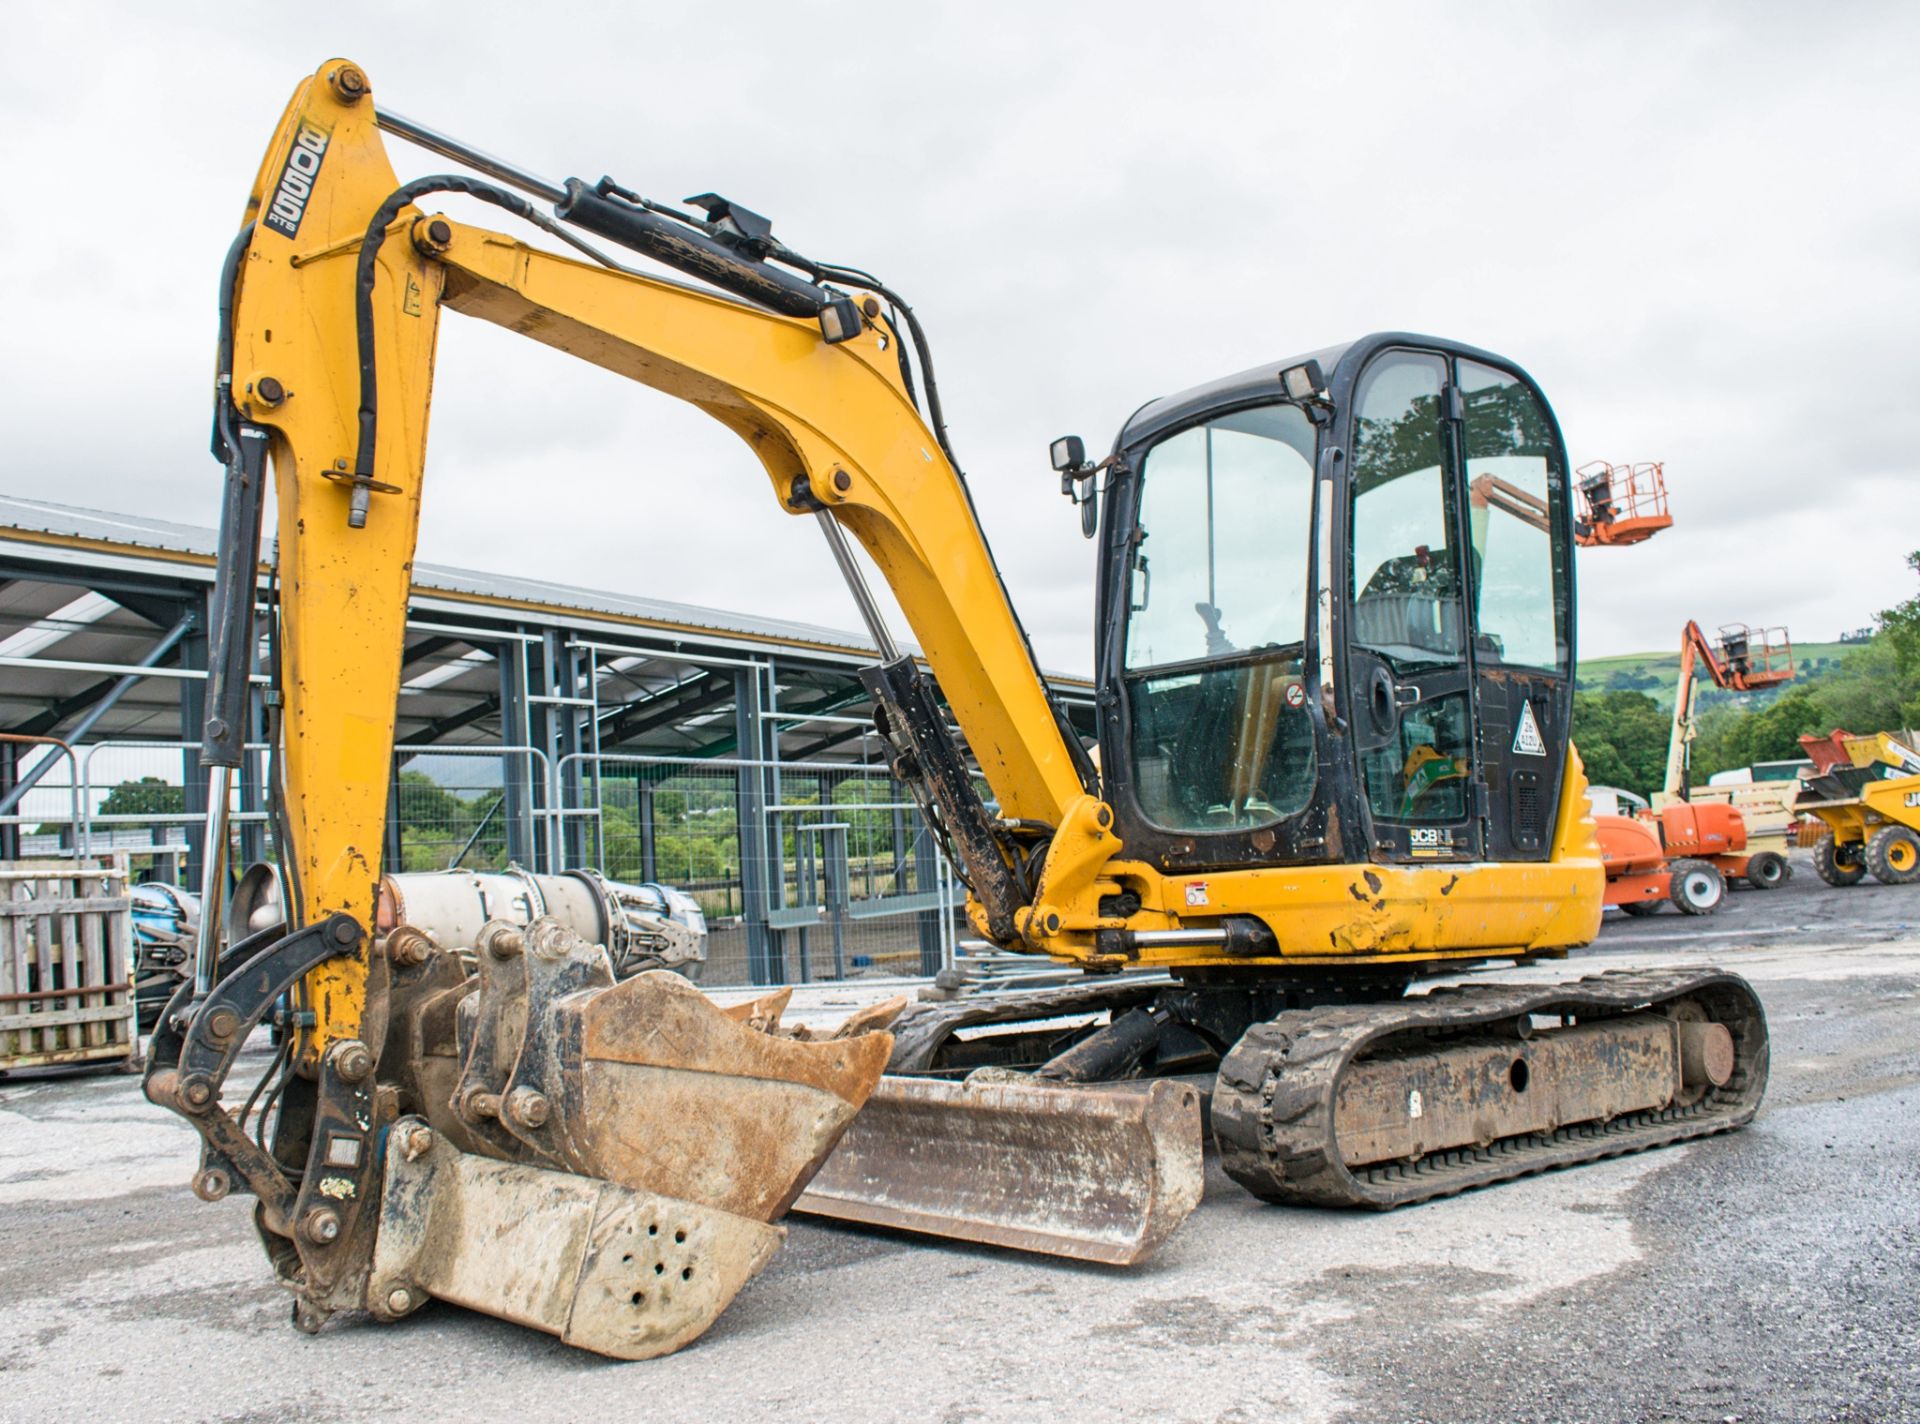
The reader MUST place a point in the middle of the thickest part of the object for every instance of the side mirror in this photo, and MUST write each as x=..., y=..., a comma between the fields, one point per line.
x=1079, y=481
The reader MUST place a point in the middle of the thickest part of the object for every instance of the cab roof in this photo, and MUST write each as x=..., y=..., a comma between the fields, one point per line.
x=1262, y=382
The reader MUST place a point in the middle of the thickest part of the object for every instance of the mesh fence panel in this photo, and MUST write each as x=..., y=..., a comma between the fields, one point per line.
x=835, y=878
x=470, y=808
x=840, y=871
x=136, y=798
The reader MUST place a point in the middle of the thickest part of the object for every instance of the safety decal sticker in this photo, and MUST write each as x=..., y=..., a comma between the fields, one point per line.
x=1527, y=740
x=1196, y=892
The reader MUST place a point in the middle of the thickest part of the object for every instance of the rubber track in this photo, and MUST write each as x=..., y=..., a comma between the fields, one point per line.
x=1273, y=1101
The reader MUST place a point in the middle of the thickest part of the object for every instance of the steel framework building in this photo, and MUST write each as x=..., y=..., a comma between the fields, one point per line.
x=540, y=724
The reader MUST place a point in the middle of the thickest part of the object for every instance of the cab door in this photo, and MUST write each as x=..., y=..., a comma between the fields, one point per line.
x=1409, y=665
x=1520, y=594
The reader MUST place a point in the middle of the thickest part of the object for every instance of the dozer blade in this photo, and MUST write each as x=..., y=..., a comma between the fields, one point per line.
x=1093, y=1173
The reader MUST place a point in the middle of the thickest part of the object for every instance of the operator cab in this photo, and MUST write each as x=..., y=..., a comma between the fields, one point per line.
x=1318, y=640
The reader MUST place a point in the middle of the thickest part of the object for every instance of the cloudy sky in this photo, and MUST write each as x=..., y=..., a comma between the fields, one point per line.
x=1699, y=228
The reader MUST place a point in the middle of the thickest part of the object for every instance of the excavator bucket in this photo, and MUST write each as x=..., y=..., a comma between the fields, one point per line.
x=601, y=1160
x=610, y=1156
x=1095, y=1173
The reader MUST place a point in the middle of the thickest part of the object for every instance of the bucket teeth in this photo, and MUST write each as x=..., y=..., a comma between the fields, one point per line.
x=762, y=1013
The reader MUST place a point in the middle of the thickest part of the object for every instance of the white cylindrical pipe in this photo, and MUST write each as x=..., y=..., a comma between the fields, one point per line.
x=638, y=924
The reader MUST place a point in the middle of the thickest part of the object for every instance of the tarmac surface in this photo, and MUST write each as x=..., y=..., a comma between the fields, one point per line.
x=1771, y=1274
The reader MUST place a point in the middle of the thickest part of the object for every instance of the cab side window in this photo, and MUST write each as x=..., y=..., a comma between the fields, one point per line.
x=1217, y=606
x=1406, y=571
x=1520, y=609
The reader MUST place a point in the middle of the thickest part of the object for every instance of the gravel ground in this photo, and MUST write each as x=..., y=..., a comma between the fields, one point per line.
x=1773, y=1274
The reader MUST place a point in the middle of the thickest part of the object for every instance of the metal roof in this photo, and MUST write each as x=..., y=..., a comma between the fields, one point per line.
x=195, y=547
x=162, y=536
x=84, y=594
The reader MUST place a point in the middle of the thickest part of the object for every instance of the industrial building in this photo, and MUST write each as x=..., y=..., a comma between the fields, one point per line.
x=540, y=724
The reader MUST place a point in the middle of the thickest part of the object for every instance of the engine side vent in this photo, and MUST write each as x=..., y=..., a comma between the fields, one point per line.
x=1529, y=819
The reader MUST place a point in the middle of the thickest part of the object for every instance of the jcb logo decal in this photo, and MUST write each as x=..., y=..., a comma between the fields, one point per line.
x=290, y=196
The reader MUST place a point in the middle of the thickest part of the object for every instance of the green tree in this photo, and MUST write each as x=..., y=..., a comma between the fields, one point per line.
x=436, y=824
x=1732, y=737
x=1622, y=736
x=1900, y=626
x=864, y=826
x=1873, y=686
x=149, y=796
x=1866, y=690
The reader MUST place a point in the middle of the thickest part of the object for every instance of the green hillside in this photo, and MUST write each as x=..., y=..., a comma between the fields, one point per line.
x=1654, y=673
x=1623, y=707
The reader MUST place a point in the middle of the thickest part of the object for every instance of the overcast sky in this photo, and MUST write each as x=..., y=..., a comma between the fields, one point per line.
x=1698, y=227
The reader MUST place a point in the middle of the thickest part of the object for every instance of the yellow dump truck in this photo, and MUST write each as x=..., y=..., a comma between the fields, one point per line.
x=1866, y=791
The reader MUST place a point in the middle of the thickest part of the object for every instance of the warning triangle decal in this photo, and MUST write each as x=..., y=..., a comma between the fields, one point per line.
x=1527, y=740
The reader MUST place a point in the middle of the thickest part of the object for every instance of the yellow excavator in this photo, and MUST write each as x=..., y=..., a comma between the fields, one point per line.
x=1333, y=760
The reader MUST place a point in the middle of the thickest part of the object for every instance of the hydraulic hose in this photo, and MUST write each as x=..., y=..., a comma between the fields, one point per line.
x=370, y=246
x=936, y=417
x=376, y=236
x=223, y=411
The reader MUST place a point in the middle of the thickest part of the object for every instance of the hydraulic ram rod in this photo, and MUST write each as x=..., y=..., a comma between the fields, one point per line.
x=437, y=142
